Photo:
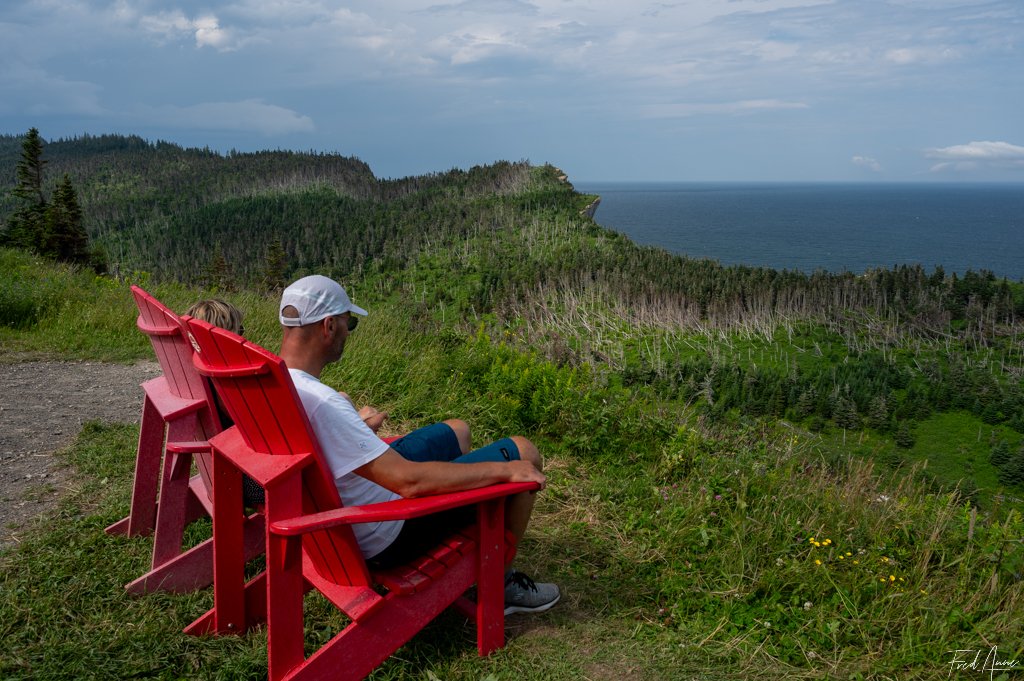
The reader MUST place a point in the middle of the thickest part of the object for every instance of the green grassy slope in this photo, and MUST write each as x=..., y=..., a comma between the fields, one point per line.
x=683, y=547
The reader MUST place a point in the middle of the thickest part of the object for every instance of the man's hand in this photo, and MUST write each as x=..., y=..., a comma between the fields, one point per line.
x=372, y=418
x=524, y=471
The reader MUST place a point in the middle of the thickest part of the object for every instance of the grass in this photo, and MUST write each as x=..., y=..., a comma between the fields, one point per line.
x=668, y=571
x=684, y=549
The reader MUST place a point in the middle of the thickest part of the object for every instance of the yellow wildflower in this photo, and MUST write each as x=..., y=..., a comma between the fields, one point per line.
x=892, y=578
x=848, y=553
x=817, y=562
x=842, y=557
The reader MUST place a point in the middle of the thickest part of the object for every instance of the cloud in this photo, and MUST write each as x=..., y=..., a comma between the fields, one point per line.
x=743, y=107
x=867, y=162
x=205, y=29
x=485, y=7
x=251, y=115
x=35, y=91
x=977, y=155
x=906, y=56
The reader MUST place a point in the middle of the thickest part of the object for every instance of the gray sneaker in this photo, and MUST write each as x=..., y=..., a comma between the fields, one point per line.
x=522, y=594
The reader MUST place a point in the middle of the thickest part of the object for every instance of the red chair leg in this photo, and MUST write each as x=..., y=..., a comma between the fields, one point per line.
x=228, y=549
x=490, y=604
x=284, y=583
x=173, y=509
x=142, y=516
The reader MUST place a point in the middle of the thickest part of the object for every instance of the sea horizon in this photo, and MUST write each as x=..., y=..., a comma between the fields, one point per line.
x=831, y=225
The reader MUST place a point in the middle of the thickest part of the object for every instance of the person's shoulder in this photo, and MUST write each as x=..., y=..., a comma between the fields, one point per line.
x=309, y=384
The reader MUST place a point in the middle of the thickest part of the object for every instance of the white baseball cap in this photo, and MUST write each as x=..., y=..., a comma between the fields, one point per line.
x=316, y=297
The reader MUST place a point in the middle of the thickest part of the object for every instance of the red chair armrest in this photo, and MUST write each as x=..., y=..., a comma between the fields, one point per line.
x=400, y=509
x=196, y=447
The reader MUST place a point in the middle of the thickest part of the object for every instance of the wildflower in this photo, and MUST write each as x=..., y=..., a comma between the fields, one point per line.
x=848, y=553
x=892, y=578
x=812, y=540
x=856, y=562
x=827, y=542
x=779, y=562
x=842, y=557
x=881, y=579
x=808, y=605
x=718, y=497
x=884, y=559
x=817, y=562
x=924, y=592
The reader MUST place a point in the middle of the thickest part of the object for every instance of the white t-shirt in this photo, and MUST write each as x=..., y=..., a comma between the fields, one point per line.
x=348, y=443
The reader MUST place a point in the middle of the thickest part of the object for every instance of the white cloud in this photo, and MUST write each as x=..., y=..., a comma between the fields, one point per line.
x=209, y=33
x=978, y=151
x=905, y=56
x=476, y=43
x=977, y=155
x=205, y=30
x=251, y=115
x=743, y=107
x=867, y=162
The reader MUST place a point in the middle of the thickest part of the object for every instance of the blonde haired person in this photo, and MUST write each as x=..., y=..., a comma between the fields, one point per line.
x=219, y=313
x=225, y=315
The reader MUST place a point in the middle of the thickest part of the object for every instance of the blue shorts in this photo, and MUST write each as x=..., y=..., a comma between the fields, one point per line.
x=437, y=442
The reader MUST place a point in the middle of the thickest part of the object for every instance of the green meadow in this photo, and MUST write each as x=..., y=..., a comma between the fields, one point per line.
x=687, y=544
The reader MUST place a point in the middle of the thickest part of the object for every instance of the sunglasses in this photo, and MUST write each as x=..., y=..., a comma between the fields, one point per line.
x=353, y=322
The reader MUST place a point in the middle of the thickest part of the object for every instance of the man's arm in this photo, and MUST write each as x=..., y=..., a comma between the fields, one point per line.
x=370, y=416
x=418, y=479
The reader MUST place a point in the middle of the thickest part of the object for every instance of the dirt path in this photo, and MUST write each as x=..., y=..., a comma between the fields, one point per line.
x=42, y=408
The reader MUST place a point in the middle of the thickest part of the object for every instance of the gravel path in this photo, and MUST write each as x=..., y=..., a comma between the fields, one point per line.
x=42, y=408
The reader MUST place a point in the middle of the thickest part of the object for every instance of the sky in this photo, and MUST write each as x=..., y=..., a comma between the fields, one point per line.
x=613, y=90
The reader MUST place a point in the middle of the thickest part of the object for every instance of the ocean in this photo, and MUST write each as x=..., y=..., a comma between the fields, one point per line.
x=835, y=227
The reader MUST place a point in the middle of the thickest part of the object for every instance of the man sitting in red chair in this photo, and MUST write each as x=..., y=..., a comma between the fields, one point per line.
x=317, y=317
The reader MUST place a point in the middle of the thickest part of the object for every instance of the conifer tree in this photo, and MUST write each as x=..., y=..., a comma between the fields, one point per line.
x=275, y=267
x=64, y=237
x=218, y=273
x=904, y=437
x=26, y=226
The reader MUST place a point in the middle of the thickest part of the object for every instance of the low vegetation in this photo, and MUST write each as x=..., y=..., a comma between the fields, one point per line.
x=685, y=546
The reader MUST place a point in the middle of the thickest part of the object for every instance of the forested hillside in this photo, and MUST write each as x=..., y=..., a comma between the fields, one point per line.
x=883, y=351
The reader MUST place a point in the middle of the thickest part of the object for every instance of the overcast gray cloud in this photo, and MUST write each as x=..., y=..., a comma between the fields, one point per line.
x=704, y=89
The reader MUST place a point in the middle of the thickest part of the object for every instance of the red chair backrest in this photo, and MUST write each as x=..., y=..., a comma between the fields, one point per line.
x=259, y=395
x=168, y=337
x=171, y=347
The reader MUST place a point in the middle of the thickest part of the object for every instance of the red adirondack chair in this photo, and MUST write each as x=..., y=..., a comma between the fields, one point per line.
x=310, y=544
x=178, y=409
